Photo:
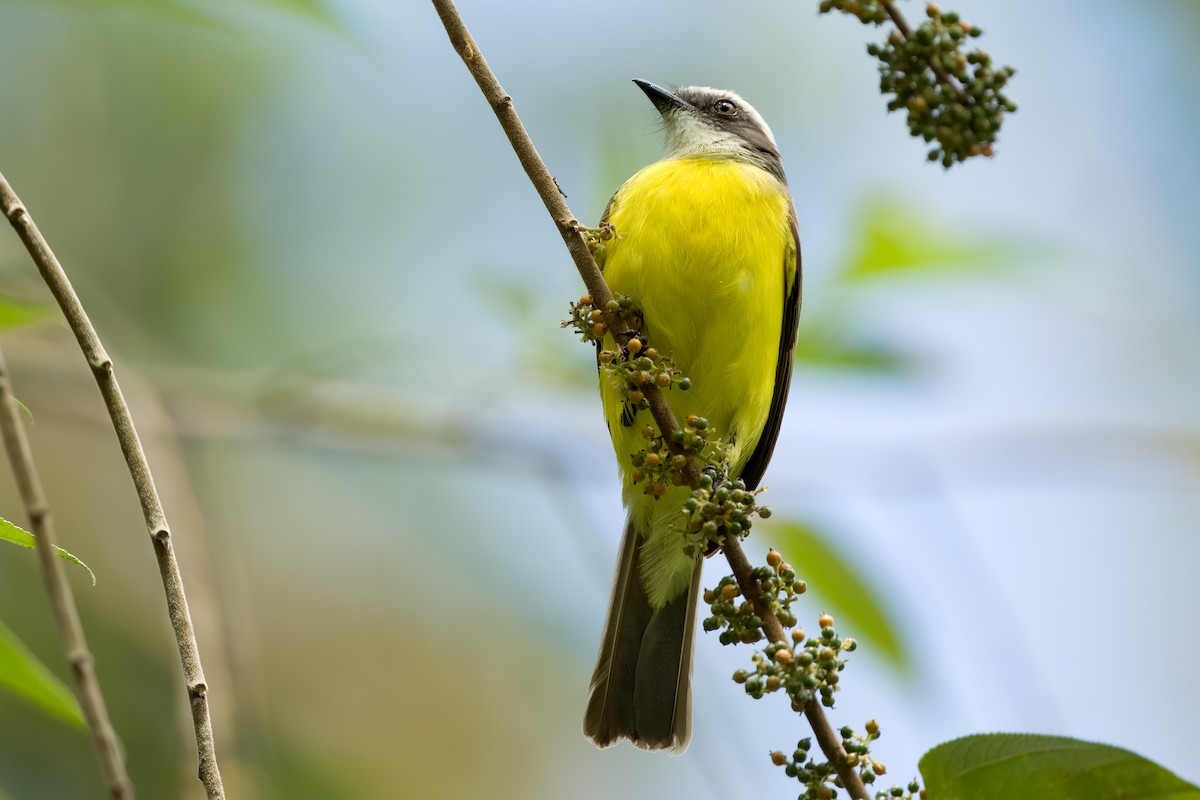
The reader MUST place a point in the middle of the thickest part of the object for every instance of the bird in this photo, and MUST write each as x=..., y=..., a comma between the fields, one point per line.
x=706, y=244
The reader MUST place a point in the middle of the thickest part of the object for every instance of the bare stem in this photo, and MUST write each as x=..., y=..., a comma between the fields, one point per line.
x=131, y=446
x=547, y=188
x=62, y=601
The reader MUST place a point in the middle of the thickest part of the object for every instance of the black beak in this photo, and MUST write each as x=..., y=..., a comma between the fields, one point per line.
x=663, y=100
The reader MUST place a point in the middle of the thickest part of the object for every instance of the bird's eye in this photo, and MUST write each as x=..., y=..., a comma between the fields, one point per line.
x=725, y=108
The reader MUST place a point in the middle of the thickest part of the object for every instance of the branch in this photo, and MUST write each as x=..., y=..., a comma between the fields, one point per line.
x=569, y=228
x=62, y=601
x=131, y=446
x=552, y=196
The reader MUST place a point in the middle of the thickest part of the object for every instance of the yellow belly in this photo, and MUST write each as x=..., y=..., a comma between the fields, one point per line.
x=702, y=247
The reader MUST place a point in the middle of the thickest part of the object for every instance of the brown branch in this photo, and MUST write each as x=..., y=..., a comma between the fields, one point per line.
x=568, y=228
x=552, y=196
x=62, y=601
x=131, y=446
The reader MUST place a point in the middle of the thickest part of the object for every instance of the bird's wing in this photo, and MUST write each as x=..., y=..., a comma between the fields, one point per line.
x=756, y=465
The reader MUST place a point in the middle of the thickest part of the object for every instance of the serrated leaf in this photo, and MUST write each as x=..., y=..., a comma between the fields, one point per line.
x=854, y=602
x=19, y=536
x=22, y=674
x=1000, y=766
x=895, y=241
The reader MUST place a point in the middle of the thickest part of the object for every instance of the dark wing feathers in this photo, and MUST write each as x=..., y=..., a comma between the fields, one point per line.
x=757, y=464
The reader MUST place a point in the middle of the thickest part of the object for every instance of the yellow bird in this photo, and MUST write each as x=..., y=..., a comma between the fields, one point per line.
x=706, y=245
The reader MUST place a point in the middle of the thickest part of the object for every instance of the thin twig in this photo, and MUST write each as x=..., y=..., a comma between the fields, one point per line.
x=568, y=227
x=552, y=196
x=62, y=601
x=131, y=446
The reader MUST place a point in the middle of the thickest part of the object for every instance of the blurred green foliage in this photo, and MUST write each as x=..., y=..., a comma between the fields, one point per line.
x=26, y=677
x=15, y=313
x=858, y=605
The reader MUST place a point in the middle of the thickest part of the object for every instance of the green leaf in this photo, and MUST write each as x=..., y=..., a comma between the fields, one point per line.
x=854, y=602
x=23, y=408
x=22, y=537
x=894, y=241
x=26, y=677
x=1000, y=766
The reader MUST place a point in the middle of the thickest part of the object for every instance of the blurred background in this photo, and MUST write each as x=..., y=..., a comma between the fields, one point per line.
x=333, y=300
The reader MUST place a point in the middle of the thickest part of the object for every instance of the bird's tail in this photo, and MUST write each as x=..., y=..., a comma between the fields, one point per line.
x=642, y=687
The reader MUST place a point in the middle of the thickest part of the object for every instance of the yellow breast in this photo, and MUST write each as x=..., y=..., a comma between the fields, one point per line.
x=704, y=248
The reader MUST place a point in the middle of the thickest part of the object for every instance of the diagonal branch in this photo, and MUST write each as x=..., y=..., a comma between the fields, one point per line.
x=62, y=601
x=568, y=228
x=131, y=446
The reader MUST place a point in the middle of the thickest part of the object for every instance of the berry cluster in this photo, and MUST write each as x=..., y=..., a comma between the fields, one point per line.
x=659, y=465
x=805, y=668
x=870, y=12
x=716, y=505
x=819, y=778
x=778, y=588
x=954, y=99
x=639, y=363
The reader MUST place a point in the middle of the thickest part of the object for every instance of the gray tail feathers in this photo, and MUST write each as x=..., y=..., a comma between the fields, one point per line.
x=642, y=687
